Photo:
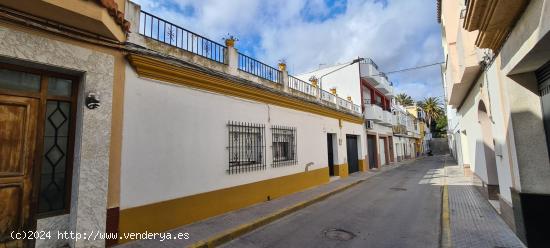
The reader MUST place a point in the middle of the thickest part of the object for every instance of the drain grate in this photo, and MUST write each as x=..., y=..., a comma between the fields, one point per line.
x=339, y=234
x=398, y=189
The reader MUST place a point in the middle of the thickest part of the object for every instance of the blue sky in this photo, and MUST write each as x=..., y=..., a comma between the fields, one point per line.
x=396, y=34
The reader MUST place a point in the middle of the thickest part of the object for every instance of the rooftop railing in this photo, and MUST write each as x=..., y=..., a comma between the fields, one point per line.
x=255, y=67
x=302, y=86
x=370, y=61
x=166, y=32
x=174, y=35
x=329, y=97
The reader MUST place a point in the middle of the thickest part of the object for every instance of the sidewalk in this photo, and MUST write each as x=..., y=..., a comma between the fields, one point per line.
x=220, y=229
x=473, y=221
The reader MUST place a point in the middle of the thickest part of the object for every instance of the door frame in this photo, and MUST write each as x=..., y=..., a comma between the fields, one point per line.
x=43, y=97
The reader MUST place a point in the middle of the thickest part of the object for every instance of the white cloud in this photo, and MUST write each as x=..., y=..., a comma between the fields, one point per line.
x=398, y=34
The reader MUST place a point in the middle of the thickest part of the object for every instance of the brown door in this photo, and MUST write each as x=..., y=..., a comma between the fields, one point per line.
x=18, y=118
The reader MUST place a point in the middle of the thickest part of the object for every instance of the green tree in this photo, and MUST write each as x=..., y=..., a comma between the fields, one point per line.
x=433, y=109
x=441, y=125
x=404, y=99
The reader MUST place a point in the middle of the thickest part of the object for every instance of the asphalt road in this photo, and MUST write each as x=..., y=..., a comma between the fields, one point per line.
x=398, y=208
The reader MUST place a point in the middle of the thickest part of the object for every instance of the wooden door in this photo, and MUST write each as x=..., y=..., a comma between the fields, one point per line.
x=18, y=120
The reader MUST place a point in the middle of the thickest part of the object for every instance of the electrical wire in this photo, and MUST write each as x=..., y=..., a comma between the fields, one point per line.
x=410, y=69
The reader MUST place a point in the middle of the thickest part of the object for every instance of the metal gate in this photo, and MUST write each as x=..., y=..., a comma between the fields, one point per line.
x=353, y=156
x=330, y=150
x=371, y=147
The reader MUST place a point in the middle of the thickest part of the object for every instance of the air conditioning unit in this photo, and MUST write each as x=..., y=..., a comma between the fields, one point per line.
x=369, y=124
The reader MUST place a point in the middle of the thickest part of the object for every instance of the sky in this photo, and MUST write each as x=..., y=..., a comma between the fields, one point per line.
x=307, y=34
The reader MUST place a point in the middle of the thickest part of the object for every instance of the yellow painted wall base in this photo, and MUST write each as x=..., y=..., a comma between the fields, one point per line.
x=162, y=216
x=362, y=166
x=341, y=170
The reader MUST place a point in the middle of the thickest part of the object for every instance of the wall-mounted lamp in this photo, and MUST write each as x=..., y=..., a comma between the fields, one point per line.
x=92, y=101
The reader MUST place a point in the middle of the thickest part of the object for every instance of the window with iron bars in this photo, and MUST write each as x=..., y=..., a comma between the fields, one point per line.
x=284, y=146
x=246, y=147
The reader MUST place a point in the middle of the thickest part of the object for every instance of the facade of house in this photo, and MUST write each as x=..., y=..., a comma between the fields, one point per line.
x=422, y=142
x=394, y=132
x=496, y=78
x=362, y=82
x=115, y=121
x=406, y=133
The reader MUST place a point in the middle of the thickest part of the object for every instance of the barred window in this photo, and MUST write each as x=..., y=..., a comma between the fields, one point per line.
x=284, y=146
x=246, y=147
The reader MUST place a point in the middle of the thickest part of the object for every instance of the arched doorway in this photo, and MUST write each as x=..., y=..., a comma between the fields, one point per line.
x=489, y=151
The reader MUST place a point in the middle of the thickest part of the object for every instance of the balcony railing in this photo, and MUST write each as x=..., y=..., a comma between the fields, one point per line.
x=302, y=86
x=168, y=33
x=171, y=34
x=379, y=104
x=370, y=61
x=255, y=67
x=327, y=96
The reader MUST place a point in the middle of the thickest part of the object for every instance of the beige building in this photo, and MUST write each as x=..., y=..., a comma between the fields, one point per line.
x=496, y=79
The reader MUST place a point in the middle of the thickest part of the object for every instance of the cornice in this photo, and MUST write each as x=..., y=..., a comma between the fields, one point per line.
x=158, y=69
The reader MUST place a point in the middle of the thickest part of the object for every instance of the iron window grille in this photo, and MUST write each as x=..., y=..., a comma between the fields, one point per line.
x=284, y=146
x=246, y=147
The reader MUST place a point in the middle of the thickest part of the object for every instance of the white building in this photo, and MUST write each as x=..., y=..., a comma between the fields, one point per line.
x=361, y=82
x=496, y=88
x=211, y=130
x=406, y=133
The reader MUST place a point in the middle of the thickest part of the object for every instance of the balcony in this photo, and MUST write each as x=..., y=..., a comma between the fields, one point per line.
x=399, y=129
x=493, y=19
x=376, y=113
x=369, y=71
x=89, y=16
x=387, y=118
x=467, y=66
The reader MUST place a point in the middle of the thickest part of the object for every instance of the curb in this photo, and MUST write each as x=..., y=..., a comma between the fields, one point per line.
x=231, y=234
x=445, y=213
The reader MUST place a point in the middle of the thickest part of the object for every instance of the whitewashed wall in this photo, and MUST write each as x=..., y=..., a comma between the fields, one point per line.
x=502, y=157
x=470, y=124
x=346, y=80
x=473, y=152
x=175, y=139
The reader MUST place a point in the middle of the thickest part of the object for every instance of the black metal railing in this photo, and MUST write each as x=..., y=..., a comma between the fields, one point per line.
x=169, y=33
x=302, y=86
x=369, y=61
x=255, y=67
x=246, y=147
x=284, y=145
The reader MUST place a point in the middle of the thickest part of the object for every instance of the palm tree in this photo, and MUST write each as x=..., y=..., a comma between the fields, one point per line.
x=432, y=108
x=404, y=99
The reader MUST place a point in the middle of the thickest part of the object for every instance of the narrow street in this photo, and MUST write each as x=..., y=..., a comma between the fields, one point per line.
x=398, y=208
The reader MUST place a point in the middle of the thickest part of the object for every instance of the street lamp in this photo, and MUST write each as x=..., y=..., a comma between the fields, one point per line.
x=357, y=60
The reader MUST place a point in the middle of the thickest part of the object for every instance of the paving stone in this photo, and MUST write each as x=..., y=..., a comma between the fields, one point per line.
x=474, y=222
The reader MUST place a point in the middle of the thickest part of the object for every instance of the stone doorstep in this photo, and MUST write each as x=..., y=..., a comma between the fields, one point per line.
x=220, y=229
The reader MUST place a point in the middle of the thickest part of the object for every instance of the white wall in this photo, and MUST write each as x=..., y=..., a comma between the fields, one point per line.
x=499, y=133
x=346, y=81
x=175, y=139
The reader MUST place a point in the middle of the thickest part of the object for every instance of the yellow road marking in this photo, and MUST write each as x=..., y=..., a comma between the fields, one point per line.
x=445, y=216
